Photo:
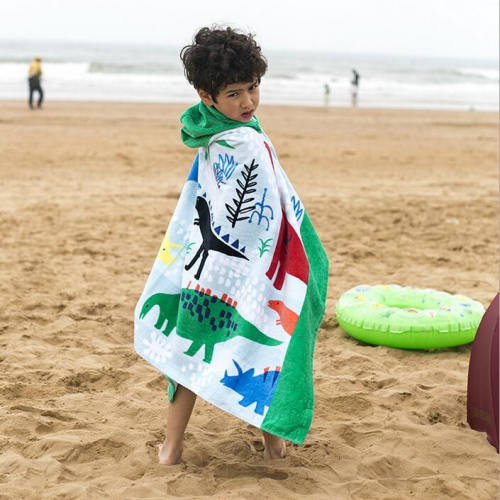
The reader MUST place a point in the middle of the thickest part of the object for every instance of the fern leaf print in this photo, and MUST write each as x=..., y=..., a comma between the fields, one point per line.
x=264, y=246
x=246, y=188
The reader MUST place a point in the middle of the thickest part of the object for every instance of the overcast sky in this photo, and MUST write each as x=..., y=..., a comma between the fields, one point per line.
x=461, y=28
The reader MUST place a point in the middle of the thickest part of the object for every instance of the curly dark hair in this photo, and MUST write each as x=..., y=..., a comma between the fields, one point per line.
x=221, y=56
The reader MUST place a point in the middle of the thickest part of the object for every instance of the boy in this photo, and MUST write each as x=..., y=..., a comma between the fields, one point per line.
x=233, y=303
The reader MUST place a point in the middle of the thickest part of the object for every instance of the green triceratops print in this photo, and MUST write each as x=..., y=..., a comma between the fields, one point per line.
x=207, y=321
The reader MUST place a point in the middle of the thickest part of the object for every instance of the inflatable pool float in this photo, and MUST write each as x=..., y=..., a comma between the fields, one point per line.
x=408, y=318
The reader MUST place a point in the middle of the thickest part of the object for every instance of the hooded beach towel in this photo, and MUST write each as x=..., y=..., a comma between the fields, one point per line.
x=237, y=292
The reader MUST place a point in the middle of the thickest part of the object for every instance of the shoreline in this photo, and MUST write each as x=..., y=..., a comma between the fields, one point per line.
x=263, y=105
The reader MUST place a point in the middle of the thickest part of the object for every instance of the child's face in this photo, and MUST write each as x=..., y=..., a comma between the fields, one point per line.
x=237, y=101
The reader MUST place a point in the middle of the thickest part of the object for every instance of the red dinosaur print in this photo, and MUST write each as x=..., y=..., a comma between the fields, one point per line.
x=289, y=256
x=288, y=319
x=270, y=154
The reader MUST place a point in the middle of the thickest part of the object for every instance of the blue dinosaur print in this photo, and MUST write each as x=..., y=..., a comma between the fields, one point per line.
x=297, y=206
x=260, y=212
x=254, y=388
x=224, y=169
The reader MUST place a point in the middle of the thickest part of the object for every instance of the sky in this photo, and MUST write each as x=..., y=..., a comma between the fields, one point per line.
x=456, y=28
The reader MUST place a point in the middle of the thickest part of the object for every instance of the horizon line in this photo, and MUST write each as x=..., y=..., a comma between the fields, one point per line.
x=171, y=45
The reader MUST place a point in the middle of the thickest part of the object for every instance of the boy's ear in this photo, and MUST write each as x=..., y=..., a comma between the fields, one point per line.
x=205, y=97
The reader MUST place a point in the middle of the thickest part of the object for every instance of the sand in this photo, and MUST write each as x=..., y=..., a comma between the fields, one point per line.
x=406, y=197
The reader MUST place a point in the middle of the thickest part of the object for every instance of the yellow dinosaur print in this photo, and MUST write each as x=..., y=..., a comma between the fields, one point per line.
x=164, y=254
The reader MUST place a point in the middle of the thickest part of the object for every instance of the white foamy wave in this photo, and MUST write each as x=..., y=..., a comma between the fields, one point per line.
x=68, y=70
x=380, y=92
x=100, y=72
x=487, y=74
x=75, y=81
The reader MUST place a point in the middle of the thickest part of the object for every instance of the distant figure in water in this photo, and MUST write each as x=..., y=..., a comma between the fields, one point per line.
x=355, y=87
x=34, y=78
x=327, y=95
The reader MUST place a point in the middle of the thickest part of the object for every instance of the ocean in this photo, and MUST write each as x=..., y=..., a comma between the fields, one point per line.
x=140, y=73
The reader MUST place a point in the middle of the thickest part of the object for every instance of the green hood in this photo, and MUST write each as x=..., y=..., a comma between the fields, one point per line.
x=201, y=122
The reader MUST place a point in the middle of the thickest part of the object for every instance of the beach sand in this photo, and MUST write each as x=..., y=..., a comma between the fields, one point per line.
x=405, y=197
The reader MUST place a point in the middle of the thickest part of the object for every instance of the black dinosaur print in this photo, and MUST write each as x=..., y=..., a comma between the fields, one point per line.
x=210, y=239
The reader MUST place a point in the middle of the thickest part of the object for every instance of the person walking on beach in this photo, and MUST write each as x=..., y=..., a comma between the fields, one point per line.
x=355, y=87
x=223, y=316
x=327, y=95
x=34, y=80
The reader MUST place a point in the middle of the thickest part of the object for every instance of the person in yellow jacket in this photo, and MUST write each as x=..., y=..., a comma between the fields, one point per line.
x=34, y=78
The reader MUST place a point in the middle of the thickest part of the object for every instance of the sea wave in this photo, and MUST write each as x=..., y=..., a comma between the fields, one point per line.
x=11, y=71
x=102, y=73
x=133, y=68
x=486, y=74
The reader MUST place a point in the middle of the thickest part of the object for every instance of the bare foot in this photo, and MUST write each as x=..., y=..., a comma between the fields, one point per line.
x=168, y=455
x=276, y=451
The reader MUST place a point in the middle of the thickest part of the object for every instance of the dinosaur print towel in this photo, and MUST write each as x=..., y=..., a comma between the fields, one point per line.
x=237, y=292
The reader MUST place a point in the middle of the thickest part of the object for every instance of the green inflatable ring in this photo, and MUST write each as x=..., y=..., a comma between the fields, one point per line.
x=408, y=318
